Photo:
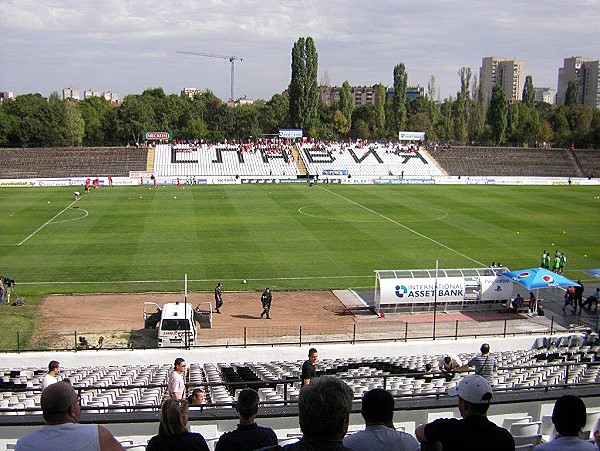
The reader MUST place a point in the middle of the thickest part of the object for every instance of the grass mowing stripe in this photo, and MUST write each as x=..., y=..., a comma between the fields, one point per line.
x=405, y=227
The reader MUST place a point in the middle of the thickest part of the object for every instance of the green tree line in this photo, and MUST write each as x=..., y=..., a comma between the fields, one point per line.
x=32, y=120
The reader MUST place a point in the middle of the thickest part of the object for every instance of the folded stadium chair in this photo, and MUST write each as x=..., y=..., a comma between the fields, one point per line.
x=532, y=428
x=507, y=421
x=526, y=447
x=533, y=440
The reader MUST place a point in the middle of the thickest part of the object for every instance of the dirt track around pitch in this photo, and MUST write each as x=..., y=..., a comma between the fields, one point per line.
x=300, y=316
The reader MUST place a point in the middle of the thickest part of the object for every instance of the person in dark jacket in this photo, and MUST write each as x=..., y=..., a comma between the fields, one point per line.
x=248, y=435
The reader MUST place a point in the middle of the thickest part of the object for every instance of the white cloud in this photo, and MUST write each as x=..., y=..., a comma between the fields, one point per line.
x=127, y=45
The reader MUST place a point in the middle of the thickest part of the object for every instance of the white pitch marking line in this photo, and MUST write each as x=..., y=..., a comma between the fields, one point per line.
x=47, y=222
x=403, y=226
x=85, y=215
x=193, y=280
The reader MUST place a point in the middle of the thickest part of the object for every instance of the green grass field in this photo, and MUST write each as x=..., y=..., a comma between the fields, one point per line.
x=288, y=237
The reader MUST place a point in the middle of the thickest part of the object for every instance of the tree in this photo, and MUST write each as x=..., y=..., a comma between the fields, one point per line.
x=433, y=108
x=74, y=127
x=363, y=119
x=95, y=112
x=304, y=89
x=462, y=107
x=34, y=121
x=528, y=92
x=398, y=122
x=478, y=112
x=135, y=117
x=379, y=125
x=275, y=114
x=498, y=114
x=346, y=103
x=572, y=94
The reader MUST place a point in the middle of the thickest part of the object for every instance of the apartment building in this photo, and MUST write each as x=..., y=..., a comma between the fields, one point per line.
x=586, y=74
x=506, y=72
x=547, y=95
x=70, y=93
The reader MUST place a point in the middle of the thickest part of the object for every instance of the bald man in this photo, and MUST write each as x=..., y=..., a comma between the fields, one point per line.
x=61, y=411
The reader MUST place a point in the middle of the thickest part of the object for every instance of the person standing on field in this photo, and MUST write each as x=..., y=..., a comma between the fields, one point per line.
x=218, y=297
x=265, y=300
x=561, y=263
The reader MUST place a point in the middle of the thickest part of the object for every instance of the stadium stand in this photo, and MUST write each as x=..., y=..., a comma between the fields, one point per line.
x=71, y=162
x=275, y=158
x=366, y=159
x=588, y=161
x=557, y=360
x=125, y=397
x=506, y=161
x=225, y=159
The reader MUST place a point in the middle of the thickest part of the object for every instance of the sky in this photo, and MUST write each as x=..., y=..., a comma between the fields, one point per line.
x=126, y=46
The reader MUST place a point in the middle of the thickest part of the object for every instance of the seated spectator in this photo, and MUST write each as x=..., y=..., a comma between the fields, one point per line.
x=196, y=398
x=380, y=435
x=474, y=432
x=569, y=418
x=517, y=302
x=592, y=298
x=248, y=435
x=428, y=373
x=61, y=411
x=172, y=429
x=324, y=414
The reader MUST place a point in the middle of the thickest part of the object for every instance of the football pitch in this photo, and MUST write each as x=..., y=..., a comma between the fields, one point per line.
x=288, y=237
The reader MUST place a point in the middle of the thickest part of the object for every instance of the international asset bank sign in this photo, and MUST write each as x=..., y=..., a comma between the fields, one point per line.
x=400, y=291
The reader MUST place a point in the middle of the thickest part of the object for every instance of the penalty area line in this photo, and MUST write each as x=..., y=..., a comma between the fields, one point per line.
x=47, y=222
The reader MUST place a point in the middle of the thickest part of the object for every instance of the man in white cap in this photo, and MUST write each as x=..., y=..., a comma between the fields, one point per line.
x=474, y=431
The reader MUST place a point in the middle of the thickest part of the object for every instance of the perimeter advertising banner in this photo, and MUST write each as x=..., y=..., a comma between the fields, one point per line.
x=411, y=136
x=157, y=136
x=496, y=288
x=295, y=133
x=421, y=290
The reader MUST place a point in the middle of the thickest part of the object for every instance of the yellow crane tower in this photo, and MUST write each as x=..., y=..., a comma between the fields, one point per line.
x=231, y=59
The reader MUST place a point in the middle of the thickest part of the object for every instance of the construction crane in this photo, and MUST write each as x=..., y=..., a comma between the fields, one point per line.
x=231, y=59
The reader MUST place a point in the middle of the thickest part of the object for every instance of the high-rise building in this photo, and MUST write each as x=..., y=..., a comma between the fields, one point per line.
x=547, y=95
x=189, y=92
x=89, y=93
x=506, y=72
x=571, y=71
x=70, y=93
x=5, y=95
x=361, y=95
x=591, y=83
x=365, y=95
x=111, y=96
x=586, y=74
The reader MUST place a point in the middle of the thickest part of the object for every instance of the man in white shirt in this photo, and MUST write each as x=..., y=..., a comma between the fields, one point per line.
x=61, y=410
x=50, y=376
x=176, y=384
x=449, y=364
x=380, y=435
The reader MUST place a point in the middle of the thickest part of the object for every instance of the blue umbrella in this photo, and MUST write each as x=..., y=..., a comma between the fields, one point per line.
x=593, y=272
x=536, y=278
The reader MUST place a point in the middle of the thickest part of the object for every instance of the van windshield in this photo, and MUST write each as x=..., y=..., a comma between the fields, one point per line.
x=175, y=324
